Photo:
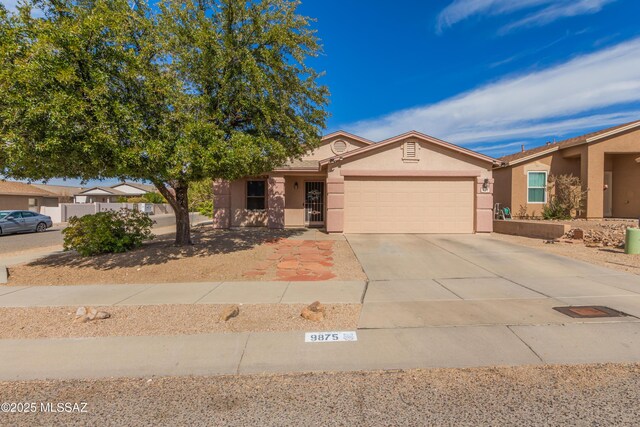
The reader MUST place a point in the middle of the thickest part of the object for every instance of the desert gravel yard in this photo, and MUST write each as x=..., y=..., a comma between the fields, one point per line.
x=609, y=257
x=235, y=255
x=587, y=395
x=58, y=322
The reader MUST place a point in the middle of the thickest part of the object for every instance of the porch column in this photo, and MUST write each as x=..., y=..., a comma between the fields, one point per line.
x=484, y=205
x=275, y=202
x=595, y=183
x=221, y=204
x=335, y=205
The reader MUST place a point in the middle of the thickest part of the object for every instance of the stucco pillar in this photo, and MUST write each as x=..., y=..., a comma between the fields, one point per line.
x=335, y=205
x=595, y=183
x=221, y=204
x=275, y=202
x=484, y=205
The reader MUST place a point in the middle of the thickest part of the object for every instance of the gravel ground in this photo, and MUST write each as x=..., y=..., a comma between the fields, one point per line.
x=613, y=258
x=216, y=255
x=593, y=395
x=58, y=322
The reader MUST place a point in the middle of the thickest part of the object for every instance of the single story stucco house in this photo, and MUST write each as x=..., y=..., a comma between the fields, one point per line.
x=411, y=183
x=22, y=196
x=607, y=163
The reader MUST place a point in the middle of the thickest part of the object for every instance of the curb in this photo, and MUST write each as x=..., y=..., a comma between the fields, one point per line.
x=4, y=274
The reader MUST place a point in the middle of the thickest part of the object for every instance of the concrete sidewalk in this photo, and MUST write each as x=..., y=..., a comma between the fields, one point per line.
x=330, y=292
x=249, y=353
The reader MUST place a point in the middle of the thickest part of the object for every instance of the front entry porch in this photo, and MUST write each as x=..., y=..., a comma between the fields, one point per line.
x=305, y=201
x=296, y=200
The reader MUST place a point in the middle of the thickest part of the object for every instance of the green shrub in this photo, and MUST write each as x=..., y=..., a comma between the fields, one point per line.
x=201, y=197
x=566, y=197
x=153, y=198
x=107, y=232
x=206, y=208
x=553, y=210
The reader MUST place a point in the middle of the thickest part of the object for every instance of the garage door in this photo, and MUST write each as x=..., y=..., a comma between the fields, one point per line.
x=408, y=205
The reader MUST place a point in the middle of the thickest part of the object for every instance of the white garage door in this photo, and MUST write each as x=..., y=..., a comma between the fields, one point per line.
x=409, y=205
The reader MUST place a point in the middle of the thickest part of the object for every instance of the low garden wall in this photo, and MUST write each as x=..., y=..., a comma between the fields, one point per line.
x=528, y=228
x=64, y=211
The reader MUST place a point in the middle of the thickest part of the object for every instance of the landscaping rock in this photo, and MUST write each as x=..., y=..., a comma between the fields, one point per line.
x=316, y=306
x=87, y=314
x=578, y=233
x=607, y=234
x=229, y=313
x=101, y=315
x=313, y=312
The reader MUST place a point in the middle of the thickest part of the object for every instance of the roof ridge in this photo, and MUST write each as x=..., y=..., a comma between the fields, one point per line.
x=575, y=140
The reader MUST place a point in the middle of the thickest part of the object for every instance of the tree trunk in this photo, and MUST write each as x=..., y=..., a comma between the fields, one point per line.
x=179, y=201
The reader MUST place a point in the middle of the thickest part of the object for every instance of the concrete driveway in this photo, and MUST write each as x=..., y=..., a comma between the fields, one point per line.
x=471, y=280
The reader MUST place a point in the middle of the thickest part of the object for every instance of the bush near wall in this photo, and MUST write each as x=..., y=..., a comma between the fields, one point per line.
x=566, y=197
x=107, y=232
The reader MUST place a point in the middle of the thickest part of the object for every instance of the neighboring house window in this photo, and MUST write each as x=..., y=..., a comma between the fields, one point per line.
x=256, y=195
x=536, y=187
x=33, y=202
x=410, y=151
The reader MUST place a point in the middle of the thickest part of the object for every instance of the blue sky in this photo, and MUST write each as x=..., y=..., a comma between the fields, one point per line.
x=486, y=74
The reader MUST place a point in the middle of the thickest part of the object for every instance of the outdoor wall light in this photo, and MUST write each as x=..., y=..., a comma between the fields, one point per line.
x=485, y=185
x=295, y=185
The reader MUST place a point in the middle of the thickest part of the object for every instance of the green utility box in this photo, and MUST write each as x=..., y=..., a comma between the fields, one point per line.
x=632, y=242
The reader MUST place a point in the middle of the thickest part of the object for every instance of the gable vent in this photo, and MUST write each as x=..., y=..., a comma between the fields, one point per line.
x=411, y=150
x=339, y=147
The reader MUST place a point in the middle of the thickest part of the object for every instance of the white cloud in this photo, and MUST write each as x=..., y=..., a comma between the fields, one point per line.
x=558, y=11
x=460, y=10
x=497, y=147
x=543, y=11
x=527, y=105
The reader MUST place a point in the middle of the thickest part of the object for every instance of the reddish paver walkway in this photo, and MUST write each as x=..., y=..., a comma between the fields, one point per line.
x=297, y=260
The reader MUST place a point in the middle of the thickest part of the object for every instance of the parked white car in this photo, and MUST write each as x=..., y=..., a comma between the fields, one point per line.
x=23, y=221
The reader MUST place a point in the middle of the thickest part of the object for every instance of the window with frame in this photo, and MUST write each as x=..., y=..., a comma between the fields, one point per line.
x=536, y=187
x=256, y=195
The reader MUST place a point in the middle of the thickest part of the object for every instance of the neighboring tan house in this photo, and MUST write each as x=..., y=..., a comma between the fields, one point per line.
x=64, y=192
x=607, y=163
x=411, y=183
x=114, y=193
x=22, y=196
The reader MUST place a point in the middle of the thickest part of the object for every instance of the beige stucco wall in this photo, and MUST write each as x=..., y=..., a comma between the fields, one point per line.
x=511, y=182
x=431, y=158
x=14, y=202
x=589, y=162
x=22, y=202
x=240, y=216
x=502, y=186
x=625, y=143
x=626, y=186
x=325, y=151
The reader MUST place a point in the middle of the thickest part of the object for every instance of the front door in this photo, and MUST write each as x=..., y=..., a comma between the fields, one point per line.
x=314, y=203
